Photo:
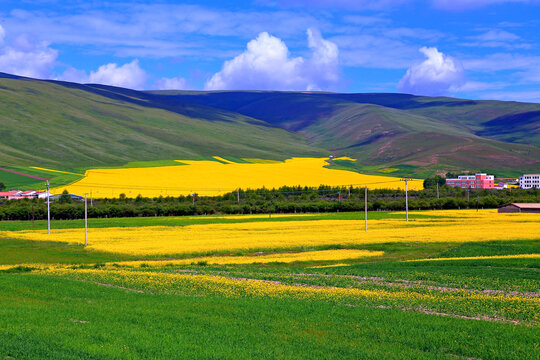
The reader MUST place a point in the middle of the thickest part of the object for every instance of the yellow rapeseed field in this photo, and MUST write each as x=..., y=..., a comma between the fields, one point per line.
x=455, y=226
x=214, y=178
x=288, y=257
x=285, y=257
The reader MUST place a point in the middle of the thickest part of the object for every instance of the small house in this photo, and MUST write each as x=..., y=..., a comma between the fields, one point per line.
x=520, y=208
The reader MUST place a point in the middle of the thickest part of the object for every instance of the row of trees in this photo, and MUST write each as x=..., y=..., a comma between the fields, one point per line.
x=282, y=200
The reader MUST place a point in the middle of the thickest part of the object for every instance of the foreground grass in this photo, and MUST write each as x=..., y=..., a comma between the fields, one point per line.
x=51, y=252
x=44, y=317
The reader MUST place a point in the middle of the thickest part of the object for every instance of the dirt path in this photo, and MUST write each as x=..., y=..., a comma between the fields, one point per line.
x=23, y=174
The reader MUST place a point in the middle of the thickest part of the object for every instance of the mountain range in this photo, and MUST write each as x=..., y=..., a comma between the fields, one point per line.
x=67, y=125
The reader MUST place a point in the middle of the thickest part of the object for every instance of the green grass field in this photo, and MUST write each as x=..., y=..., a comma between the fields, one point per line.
x=16, y=181
x=383, y=307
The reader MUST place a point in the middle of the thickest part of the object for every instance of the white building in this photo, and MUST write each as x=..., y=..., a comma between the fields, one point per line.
x=529, y=181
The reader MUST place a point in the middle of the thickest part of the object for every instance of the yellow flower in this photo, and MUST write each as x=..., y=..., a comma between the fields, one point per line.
x=215, y=178
x=456, y=227
x=288, y=257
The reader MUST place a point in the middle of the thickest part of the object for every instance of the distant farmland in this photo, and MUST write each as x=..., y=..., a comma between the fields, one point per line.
x=218, y=176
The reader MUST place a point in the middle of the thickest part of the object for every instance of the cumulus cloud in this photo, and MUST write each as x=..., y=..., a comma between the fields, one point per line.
x=439, y=74
x=176, y=83
x=129, y=75
x=266, y=64
x=24, y=57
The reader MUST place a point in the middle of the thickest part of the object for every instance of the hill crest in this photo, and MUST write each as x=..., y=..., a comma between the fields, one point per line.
x=69, y=125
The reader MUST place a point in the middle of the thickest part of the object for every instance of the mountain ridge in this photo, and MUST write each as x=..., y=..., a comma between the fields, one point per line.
x=106, y=125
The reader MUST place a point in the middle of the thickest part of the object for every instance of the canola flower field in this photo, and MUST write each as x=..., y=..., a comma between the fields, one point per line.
x=446, y=284
x=219, y=176
x=464, y=226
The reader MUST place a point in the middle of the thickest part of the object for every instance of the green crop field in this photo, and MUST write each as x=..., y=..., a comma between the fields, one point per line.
x=16, y=181
x=64, y=301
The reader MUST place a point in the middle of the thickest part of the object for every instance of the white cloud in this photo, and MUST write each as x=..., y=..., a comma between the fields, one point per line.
x=155, y=30
x=365, y=20
x=481, y=86
x=340, y=4
x=374, y=51
x=266, y=65
x=497, y=35
x=176, y=83
x=73, y=75
x=322, y=71
x=24, y=57
x=457, y=5
x=501, y=62
x=129, y=75
x=2, y=34
x=439, y=74
x=497, y=38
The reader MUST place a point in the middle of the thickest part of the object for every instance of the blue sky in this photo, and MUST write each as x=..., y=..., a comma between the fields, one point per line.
x=481, y=49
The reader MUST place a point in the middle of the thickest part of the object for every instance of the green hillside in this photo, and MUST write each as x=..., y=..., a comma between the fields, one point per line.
x=500, y=120
x=378, y=135
x=387, y=130
x=70, y=126
x=65, y=126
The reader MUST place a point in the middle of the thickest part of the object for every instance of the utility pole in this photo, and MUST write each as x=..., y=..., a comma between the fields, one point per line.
x=350, y=186
x=437, y=190
x=406, y=199
x=48, y=210
x=91, y=201
x=238, y=195
x=193, y=199
x=365, y=210
x=477, y=199
x=85, y=220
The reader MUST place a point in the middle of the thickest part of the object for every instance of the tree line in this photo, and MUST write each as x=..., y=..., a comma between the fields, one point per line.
x=256, y=201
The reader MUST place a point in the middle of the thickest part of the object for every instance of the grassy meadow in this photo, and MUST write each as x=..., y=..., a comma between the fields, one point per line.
x=446, y=285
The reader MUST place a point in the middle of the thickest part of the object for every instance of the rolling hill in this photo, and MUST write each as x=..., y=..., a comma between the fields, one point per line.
x=398, y=129
x=66, y=125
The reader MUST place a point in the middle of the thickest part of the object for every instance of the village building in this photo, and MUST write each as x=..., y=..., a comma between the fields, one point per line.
x=478, y=181
x=9, y=194
x=529, y=181
x=520, y=208
x=19, y=194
